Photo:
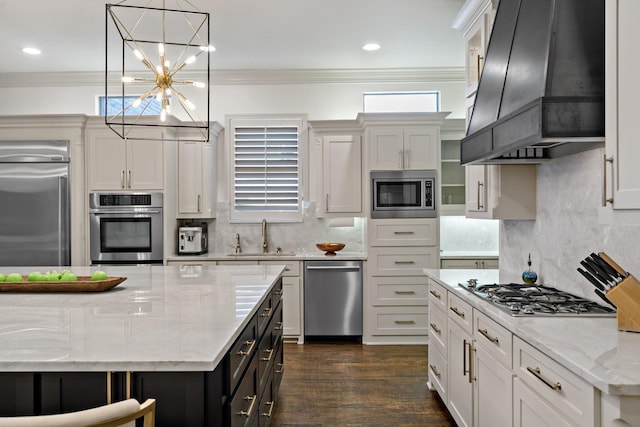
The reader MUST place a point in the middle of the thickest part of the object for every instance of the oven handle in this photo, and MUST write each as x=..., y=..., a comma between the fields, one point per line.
x=126, y=212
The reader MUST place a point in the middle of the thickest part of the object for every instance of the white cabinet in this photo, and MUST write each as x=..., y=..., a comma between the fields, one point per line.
x=460, y=359
x=196, y=180
x=470, y=263
x=622, y=153
x=341, y=174
x=115, y=164
x=501, y=192
x=291, y=297
x=403, y=148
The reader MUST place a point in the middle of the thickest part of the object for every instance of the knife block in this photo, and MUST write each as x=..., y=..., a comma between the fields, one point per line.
x=626, y=297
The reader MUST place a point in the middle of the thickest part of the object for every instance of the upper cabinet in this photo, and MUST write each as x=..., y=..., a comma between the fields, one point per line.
x=339, y=172
x=197, y=177
x=452, y=174
x=621, y=186
x=115, y=164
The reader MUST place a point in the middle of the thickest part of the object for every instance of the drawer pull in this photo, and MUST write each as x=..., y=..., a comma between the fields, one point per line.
x=267, y=359
x=403, y=232
x=266, y=312
x=404, y=262
x=248, y=352
x=457, y=311
x=277, y=292
x=248, y=412
x=435, y=294
x=405, y=292
x=280, y=368
x=485, y=334
x=435, y=371
x=268, y=414
x=405, y=322
x=435, y=328
x=536, y=373
x=278, y=326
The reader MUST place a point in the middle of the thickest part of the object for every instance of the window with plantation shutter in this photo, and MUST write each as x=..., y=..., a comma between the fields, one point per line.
x=267, y=171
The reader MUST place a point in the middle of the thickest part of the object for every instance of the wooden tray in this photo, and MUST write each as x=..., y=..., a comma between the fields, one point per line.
x=84, y=284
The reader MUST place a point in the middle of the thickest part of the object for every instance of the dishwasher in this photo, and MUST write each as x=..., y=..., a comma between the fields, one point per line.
x=333, y=299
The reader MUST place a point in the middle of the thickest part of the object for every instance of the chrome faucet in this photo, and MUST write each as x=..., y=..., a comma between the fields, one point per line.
x=265, y=243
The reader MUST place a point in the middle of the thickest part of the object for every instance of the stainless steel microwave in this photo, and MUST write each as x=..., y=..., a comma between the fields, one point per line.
x=403, y=194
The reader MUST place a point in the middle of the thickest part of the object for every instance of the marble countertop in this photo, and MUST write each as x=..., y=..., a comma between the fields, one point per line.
x=286, y=256
x=159, y=319
x=591, y=347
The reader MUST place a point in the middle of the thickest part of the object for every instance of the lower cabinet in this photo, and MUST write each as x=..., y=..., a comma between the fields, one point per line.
x=240, y=391
x=473, y=263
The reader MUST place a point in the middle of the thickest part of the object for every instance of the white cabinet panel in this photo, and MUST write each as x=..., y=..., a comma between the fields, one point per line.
x=407, y=261
x=398, y=290
x=341, y=174
x=493, y=391
x=403, y=232
x=409, y=320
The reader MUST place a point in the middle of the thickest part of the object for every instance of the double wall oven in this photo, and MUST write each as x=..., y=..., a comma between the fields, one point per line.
x=125, y=228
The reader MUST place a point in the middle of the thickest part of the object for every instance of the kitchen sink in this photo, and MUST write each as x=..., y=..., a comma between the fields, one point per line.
x=262, y=254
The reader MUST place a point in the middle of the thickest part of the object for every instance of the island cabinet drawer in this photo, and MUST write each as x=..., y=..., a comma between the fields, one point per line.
x=242, y=352
x=494, y=338
x=401, y=290
x=461, y=312
x=269, y=344
x=277, y=293
x=403, y=232
x=438, y=372
x=264, y=314
x=292, y=268
x=437, y=295
x=560, y=388
x=400, y=320
x=244, y=404
x=438, y=329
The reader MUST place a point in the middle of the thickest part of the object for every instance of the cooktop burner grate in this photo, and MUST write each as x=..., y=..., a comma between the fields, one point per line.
x=530, y=300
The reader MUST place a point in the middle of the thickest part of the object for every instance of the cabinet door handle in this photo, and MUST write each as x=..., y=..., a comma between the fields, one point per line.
x=457, y=311
x=400, y=165
x=465, y=371
x=405, y=322
x=478, y=64
x=485, y=334
x=278, y=326
x=404, y=262
x=280, y=368
x=247, y=413
x=266, y=312
x=435, y=294
x=403, y=232
x=122, y=178
x=267, y=359
x=480, y=190
x=268, y=414
x=405, y=292
x=326, y=202
x=406, y=159
x=536, y=373
x=435, y=371
x=250, y=344
x=606, y=160
x=129, y=179
x=435, y=328
x=198, y=203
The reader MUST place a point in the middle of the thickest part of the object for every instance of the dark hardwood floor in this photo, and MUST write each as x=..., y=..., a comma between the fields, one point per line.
x=347, y=384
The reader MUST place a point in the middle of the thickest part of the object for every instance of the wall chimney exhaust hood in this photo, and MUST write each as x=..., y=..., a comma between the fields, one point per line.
x=541, y=92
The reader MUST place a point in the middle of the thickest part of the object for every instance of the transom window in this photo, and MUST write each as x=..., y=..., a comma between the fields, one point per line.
x=402, y=102
x=267, y=173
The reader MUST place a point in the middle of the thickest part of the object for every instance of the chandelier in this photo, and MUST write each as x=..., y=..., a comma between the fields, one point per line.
x=157, y=62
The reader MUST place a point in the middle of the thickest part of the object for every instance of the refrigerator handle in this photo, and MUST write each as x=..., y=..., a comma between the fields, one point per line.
x=62, y=228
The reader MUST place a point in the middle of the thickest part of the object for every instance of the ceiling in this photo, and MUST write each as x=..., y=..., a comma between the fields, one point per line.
x=248, y=34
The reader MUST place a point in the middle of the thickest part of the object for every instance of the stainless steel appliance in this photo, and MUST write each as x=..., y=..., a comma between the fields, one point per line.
x=193, y=239
x=126, y=228
x=403, y=194
x=536, y=300
x=333, y=299
x=34, y=199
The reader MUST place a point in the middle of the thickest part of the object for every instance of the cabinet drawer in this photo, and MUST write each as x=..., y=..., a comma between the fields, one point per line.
x=437, y=295
x=438, y=372
x=399, y=320
x=292, y=268
x=243, y=407
x=403, y=232
x=401, y=261
x=558, y=386
x=402, y=290
x=242, y=351
x=495, y=339
x=460, y=312
x=438, y=329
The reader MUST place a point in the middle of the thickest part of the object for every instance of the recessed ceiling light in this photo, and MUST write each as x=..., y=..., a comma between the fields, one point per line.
x=31, y=51
x=371, y=46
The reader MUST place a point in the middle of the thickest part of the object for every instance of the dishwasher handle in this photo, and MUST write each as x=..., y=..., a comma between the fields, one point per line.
x=334, y=267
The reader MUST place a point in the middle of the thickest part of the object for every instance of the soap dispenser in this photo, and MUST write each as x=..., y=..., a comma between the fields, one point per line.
x=529, y=276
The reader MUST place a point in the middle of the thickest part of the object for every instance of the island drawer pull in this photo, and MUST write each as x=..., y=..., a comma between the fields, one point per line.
x=435, y=371
x=457, y=311
x=435, y=328
x=278, y=326
x=485, y=334
x=248, y=412
x=250, y=344
x=268, y=414
x=266, y=312
x=280, y=368
x=536, y=373
x=267, y=359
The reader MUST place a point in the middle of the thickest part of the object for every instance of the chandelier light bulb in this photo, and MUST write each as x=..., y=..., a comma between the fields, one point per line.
x=207, y=48
x=159, y=95
x=199, y=84
x=137, y=102
x=127, y=79
x=138, y=54
x=161, y=48
x=163, y=115
x=189, y=104
x=190, y=60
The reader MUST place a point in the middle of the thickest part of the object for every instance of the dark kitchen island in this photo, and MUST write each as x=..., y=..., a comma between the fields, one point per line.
x=205, y=342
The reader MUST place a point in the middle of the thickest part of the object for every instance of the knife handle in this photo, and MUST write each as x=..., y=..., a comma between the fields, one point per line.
x=592, y=279
x=613, y=264
x=604, y=298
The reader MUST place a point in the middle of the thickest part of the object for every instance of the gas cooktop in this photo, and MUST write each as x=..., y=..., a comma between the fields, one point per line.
x=536, y=300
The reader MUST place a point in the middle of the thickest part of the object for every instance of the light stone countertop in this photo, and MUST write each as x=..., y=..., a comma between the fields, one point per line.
x=591, y=347
x=286, y=256
x=159, y=319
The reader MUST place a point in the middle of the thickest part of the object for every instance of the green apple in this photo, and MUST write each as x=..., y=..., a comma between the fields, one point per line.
x=36, y=276
x=68, y=276
x=99, y=275
x=52, y=276
x=14, y=277
x=2, y=277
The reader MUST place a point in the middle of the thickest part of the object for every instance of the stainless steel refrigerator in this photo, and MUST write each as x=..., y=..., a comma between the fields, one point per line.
x=34, y=203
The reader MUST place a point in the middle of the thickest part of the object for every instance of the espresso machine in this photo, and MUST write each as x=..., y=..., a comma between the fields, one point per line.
x=193, y=239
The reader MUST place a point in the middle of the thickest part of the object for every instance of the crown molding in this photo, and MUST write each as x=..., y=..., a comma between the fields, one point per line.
x=255, y=77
